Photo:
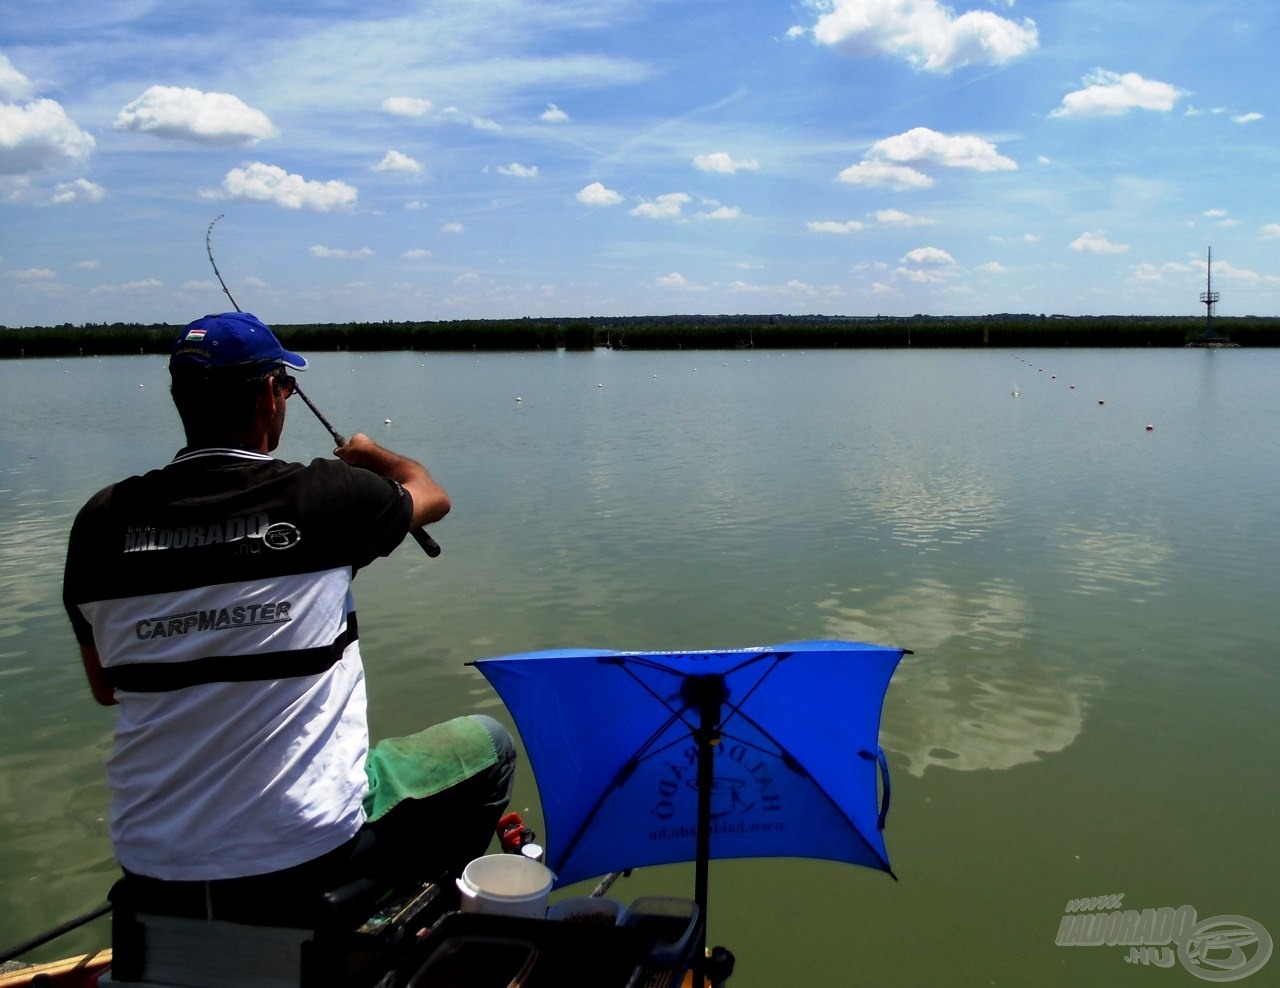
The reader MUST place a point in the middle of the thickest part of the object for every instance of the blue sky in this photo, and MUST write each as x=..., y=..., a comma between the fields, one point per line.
x=444, y=159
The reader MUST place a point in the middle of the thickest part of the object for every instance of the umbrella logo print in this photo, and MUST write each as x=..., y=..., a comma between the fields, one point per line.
x=727, y=797
x=740, y=790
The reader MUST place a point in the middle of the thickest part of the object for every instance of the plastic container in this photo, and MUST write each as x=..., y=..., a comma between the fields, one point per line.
x=672, y=924
x=505, y=885
x=589, y=910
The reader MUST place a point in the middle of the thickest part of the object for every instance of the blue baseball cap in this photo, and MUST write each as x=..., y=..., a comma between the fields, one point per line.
x=231, y=339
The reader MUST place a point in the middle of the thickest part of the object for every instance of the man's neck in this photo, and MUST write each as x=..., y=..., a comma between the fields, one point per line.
x=254, y=444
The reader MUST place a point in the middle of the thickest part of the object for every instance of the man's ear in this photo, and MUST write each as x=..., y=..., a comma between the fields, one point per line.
x=268, y=397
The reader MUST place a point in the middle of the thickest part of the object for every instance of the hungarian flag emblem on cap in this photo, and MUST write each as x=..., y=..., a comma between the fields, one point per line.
x=195, y=335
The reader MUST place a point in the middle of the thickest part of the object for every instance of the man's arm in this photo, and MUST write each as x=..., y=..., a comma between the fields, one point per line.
x=430, y=502
x=102, y=691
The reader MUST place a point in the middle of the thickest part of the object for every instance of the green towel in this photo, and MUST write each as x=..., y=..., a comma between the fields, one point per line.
x=426, y=763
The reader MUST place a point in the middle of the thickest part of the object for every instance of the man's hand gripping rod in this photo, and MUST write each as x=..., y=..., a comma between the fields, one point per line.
x=429, y=545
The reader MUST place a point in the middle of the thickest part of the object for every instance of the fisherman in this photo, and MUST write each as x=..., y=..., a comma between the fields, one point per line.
x=212, y=602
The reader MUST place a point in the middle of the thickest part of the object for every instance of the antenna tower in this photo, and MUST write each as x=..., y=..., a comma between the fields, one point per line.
x=1209, y=297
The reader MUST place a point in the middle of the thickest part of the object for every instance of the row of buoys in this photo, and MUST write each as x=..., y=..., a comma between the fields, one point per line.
x=1101, y=401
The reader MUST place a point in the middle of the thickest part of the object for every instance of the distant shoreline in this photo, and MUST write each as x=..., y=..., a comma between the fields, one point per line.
x=681, y=332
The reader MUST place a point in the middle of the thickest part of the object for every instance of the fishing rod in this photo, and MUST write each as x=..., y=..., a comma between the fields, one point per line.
x=57, y=931
x=429, y=545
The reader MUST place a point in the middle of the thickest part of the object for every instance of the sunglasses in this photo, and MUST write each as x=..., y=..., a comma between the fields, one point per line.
x=285, y=382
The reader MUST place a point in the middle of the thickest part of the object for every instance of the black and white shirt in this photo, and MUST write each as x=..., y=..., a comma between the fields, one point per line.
x=217, y=592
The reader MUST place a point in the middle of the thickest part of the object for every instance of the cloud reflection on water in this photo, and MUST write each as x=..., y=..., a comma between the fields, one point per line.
x=971, y=698
x=1102, y=561
x=949, y=507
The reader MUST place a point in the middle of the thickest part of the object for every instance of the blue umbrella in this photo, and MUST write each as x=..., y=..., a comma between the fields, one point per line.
x=647, y=758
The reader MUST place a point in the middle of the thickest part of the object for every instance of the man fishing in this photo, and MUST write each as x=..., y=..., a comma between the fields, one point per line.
x=212, y=602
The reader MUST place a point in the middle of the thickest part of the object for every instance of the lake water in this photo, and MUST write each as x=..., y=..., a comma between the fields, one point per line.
x=1090, y=708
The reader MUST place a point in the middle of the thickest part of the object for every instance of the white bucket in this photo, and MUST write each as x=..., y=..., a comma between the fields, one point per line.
x=506, y=885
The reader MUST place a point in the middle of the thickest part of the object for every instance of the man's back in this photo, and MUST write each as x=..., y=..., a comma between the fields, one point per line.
x=217, y=594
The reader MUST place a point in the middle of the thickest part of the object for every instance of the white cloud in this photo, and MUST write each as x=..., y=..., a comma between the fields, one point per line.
x=81, y=190
x=888, y=162
x=993, y=267
x=665, y=207
x=417, y=253
x=721, y=213
x=553, y=114
x=674, y=280
x=215, y=119
x=1270, y=231
x=1147, y=272
x=919, y=276
x=833, y=226
x=1097, y=243
x=880, y=173
x=415, y=204
x=920, y=145
x=406, y=106
x=37, y=135
x=394, y=161
x=1246, y=118
x=87, y=265
x=1226, y=270
x=452, y=228
x=925, y=33
x=128, y=287
x=360, y=253
x=13, y=84
x=455, y=115
x=1109, y=93
x=270, y=183
x=928, y=255
x=896, y=217
x=517, y=170
x=596, y=194
x=32, y=274
x=1214, y=214
x=720, y=161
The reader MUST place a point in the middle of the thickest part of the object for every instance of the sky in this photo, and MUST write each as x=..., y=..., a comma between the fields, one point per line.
x=452, y=159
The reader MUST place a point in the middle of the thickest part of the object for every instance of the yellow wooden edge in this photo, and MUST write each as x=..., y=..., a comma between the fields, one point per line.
x=65, y=971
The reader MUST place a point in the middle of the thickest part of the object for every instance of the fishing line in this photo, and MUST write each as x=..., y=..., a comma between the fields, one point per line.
x=429, y=545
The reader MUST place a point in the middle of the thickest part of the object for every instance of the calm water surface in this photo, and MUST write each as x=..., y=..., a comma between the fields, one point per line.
x=1089, y=710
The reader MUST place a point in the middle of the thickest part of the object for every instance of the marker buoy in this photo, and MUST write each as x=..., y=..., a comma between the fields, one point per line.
x=1101, y=402
x=386, y=421
x=1150, y=427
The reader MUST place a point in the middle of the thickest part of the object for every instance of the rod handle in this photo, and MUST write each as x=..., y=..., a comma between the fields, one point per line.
x=429, y=545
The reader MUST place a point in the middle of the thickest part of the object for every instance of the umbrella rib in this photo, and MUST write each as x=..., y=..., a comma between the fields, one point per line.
x=675, y=714
x=736, y=708
x=792, y=763
x=619, y=778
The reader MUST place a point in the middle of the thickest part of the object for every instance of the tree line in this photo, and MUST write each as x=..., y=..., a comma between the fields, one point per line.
x=689, y=332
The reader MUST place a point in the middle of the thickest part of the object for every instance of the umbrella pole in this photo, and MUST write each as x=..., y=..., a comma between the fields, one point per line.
x=707, y=694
